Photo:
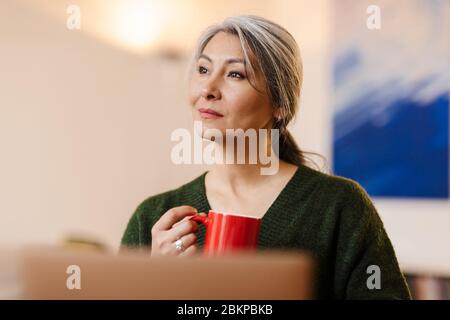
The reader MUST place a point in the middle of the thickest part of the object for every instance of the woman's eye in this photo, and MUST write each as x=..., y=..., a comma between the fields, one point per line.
x=235, y=74
x=202, y=70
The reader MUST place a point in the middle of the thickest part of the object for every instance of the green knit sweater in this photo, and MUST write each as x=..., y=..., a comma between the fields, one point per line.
x=329, y=216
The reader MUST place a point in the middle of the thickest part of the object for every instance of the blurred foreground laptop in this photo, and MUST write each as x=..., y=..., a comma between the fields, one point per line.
x=135, y=275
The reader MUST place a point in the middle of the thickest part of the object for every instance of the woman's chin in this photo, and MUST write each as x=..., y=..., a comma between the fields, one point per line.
x=206, y=131
x=212, y=133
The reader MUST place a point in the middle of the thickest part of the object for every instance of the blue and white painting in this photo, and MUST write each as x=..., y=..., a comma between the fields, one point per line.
x=391, y=97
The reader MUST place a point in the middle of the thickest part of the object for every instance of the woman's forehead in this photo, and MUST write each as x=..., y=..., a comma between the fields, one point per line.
x=224, y=46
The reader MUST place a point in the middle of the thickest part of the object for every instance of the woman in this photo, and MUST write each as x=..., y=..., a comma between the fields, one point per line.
x=248, y=73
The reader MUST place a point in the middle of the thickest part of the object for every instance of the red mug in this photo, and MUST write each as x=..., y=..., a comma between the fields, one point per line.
x=227, y=232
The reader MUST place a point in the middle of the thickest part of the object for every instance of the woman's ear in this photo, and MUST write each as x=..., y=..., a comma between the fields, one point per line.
x=277, y=113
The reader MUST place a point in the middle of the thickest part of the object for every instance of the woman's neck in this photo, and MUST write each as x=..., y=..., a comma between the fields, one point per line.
x=240, y=177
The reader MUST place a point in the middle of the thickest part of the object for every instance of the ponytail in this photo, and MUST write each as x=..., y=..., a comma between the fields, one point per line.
x=289, y=150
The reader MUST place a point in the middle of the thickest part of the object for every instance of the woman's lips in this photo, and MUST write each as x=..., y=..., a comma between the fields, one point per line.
x=209, y=113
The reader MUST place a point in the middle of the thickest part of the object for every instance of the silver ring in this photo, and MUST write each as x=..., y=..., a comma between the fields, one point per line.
x=179, y=245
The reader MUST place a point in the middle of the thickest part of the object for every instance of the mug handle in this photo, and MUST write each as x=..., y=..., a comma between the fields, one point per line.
x=201, y=219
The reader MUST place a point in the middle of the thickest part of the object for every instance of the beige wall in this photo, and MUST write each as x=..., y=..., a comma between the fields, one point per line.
x=85, y=127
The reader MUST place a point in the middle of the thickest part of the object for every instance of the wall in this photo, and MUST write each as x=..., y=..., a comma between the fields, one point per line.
x=85, y=130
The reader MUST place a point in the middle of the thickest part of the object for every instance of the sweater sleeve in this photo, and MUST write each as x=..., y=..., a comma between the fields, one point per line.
x=366, y=266
x=138, y=230
x=131, y=235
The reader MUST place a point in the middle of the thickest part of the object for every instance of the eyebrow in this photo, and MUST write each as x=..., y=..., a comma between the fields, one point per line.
x=228, y=61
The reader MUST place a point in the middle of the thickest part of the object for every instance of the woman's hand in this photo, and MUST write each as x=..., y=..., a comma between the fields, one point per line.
x=174, y=224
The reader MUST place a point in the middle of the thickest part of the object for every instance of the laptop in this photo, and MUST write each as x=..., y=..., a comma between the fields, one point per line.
x=58, y=273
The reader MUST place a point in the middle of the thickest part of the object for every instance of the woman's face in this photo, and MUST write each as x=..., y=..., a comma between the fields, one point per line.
x=219, y=82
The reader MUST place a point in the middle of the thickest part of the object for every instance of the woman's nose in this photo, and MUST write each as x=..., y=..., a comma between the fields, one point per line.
x=211, y=92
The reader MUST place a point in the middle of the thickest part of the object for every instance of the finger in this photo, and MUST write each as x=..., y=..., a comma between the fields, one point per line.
x=188, y=218
x=181, y=230
x=187, y=240
x=189, y=252
x=172, y=216
x=181, y=221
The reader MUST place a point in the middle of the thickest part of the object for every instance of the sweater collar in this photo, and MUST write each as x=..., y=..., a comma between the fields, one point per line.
x=281, y=212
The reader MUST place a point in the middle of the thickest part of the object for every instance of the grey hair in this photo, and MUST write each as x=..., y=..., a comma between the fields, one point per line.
x=277, y=56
